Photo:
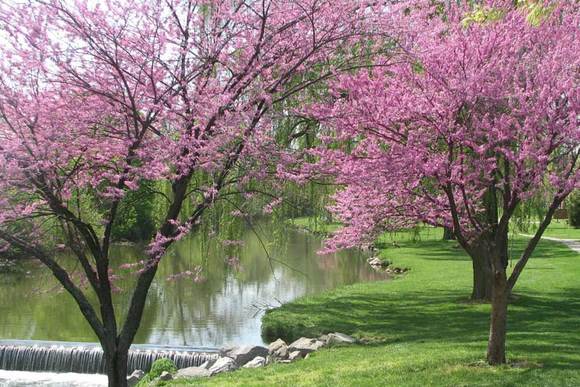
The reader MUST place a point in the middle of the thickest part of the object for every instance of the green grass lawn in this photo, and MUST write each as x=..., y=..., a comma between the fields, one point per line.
x=559, y=229
x=419, y=329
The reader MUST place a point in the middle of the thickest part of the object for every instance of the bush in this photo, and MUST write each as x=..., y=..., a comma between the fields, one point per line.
x=574, y=209
x=157, y=368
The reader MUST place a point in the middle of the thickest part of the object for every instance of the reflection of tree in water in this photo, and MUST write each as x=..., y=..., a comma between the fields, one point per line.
x=182, y=312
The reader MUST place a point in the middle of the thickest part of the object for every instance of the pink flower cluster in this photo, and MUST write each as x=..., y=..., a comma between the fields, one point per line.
x=456, y=111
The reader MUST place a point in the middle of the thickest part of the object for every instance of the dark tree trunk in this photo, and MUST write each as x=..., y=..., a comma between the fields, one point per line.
x=482, y=277
x=498, y=323
x=448, y=234
x=116, y=361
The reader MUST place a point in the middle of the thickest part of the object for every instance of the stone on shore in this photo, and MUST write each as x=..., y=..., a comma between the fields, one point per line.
x=244, y=354
x=192, y=372
x=295, y=355
x=223, y=364
x=278, y=350
x=305, y=345
x=256, y=362
x=165, y=376
x=340, y=338
x=208, y=363
x=135, y=378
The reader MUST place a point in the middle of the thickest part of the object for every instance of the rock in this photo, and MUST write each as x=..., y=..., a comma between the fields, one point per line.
x=305, y=345
x=256, y=362
x=223, y=364
x=135, y=377
x=375, y=261
x=192, y=372
x=278, y=349
x=340, y=338
x=165, y=376
x=244, y=354
x=295, y=355
x=275, y=345
x=397, y=270
x=225, y=350
x=205, y=365
x=208, y=363
x=324, y=339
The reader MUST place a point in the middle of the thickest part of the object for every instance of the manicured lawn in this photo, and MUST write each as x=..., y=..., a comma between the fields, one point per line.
x=560, y=229
x=419, y=329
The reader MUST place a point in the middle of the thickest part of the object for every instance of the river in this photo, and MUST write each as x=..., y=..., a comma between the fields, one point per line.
x=223, y=307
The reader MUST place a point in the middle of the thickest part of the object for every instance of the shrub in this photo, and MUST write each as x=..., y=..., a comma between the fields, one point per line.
x=157, y=368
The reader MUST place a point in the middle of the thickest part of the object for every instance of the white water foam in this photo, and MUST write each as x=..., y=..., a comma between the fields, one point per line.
x=49, y=379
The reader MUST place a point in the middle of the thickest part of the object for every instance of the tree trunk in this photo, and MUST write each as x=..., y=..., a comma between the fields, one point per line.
x=482, y=277
x=498, y=321
x=448, y=234
x=117, y=367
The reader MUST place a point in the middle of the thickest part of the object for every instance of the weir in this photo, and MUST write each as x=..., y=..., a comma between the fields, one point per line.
x=53, y=356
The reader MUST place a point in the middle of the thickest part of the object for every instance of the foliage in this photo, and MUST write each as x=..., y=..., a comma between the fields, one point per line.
x=482, y=15
x=157, y=368
x=574, y=209
x=138, y=218
x=537, y=11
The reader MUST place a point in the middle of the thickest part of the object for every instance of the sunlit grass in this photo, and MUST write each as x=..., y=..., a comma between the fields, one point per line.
x=559, y=228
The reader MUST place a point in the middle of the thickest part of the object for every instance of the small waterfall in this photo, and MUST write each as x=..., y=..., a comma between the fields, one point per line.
x=89, y=359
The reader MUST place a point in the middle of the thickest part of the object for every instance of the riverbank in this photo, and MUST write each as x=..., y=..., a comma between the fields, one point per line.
x=419, y=329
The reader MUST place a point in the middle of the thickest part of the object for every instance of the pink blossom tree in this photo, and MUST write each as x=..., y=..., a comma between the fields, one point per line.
x=96, y=97
x=473, y=118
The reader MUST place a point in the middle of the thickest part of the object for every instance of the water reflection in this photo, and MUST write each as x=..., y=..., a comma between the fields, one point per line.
x=218, y=311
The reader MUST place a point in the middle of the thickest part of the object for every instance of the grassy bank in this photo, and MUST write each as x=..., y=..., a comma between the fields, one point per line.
x=418, y=329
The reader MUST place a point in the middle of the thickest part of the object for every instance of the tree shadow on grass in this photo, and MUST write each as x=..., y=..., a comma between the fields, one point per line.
x=546, y=328
x=543, y=320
